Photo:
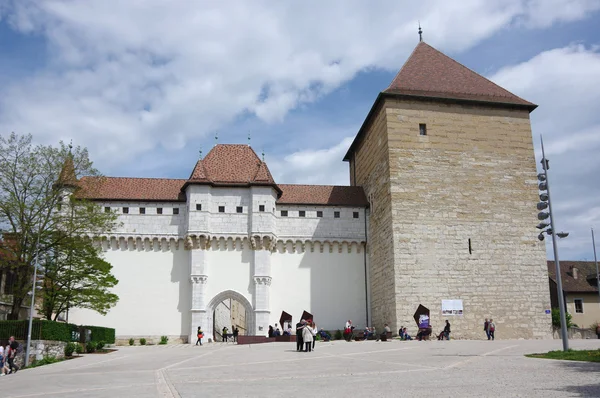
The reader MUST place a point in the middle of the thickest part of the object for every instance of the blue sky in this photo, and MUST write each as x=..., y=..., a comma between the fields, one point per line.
x=145, y=88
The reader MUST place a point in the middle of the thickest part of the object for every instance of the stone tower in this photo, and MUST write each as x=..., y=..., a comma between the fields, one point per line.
x=446, y=160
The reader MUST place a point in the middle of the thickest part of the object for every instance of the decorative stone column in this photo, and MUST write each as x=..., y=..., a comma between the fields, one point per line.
x=262, y=284
x=198, y=279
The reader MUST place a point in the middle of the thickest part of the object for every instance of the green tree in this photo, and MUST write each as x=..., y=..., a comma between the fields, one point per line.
x=556, y=318
x=38, y=211
x=75, y=275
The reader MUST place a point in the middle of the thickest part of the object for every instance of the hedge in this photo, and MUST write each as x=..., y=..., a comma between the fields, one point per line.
x=99, y=333
x=50, y=330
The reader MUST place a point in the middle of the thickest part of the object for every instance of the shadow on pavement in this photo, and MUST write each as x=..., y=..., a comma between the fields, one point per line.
x=582, y=390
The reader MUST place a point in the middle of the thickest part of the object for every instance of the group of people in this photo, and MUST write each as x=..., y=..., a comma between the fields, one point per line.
x=274, y=331
x=7, y=357
x=306, y=331
x=489, y=328
x=225, y=334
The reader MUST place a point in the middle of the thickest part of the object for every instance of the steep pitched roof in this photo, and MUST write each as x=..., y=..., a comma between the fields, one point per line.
x=67, y=177
x=430, y=73
x=586, y=276
x=329, y=195
x=232, y=164
x=134, y=189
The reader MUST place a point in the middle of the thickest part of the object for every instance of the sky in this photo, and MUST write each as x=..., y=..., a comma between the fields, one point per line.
x=146, y=85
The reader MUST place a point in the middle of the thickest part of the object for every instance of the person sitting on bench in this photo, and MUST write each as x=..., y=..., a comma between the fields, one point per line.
x=324, y=335
x=424, y=333
x=446, y=332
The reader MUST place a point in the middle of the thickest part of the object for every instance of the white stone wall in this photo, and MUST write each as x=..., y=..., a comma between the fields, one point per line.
x=150, y=223
x=326, y=227
x=153, y=290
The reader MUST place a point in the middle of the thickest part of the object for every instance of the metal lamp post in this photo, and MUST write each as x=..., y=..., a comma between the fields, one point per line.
x=545, y=186
x=32, y=303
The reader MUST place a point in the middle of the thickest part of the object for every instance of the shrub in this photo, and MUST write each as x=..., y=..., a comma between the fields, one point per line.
x=41, y=330
x=131, y=341
x=338, y=335
x=318, y=337
x=78, y=348
x=164, y=339
x=142, y=341
x=44, y=361
x=100, y=345
x=102, y=334
x=90, y=347
x=70, y=349
x=556, y=318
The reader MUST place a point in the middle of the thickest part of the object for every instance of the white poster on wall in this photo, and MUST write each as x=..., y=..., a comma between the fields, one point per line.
x=452, y=307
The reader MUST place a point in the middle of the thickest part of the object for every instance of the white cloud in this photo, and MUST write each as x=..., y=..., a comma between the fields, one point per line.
x=563, y=82
x=126, y=78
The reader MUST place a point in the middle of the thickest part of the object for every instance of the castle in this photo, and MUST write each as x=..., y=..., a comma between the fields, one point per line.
x=441, y=212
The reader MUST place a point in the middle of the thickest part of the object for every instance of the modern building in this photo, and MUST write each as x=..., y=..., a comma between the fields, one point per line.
x=580, y=291
x=441, y=212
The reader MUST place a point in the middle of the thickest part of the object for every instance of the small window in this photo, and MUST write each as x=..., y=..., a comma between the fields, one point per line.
x=319, y=213
x=175, y=210
x=422, y=129
x=302, y=213
x=198, y=206
x=261, y=208
x=336, y=214
x=221, y=209
x=107, y=209
x=355, y=214
x=239, y=209
x=578, y=306
x=284, y=213
x=142, y=210
x=159, y=210
x=125, y=210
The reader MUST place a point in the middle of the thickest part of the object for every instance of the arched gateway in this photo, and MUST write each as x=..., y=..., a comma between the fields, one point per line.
x=212, y=307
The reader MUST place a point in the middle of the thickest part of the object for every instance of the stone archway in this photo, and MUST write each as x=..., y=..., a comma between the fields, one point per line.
x=218, y=299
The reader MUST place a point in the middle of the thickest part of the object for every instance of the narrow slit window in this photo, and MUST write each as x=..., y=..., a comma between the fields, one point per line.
x=142, y=210
x=159, y=210
x=470, y=247
x=261, y=207
x=302, y=213
x=198, y=206
x=355, y=214
x=125, y=210
x=422, y=129
x=239, y=209
x=176, y=210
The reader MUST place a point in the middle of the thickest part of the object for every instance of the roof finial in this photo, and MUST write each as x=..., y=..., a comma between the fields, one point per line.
x=71, y=147
x=420, y=32
x=216, y=138
x=248, y=139
x=200, y=152
x=263, y=155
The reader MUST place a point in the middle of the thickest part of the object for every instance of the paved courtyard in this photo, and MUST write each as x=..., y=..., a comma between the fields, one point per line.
x=373, y=369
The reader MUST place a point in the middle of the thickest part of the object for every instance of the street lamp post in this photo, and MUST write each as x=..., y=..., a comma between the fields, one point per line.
x=596, y=262
x=546, y=202
x=32, y=302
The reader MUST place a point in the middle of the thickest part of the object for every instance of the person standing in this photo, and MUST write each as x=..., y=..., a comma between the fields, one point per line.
x=236, y=331
x=12, y=353
x=299, y=339
x=447, y=330
x=486, y=328
x=314, y=329
x=491, y=328
x=307, y=336
x=200, y=335
x=224, y=335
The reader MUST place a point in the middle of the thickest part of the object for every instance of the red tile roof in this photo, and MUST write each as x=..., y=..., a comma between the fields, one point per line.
x=232, y=164
x=134, y=189
x=323, y=195
x=430, y=73
x=586, y=276
x=67, y=177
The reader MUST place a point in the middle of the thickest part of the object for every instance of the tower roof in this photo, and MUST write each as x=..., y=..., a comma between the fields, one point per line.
x=430, y=73
x=231, y=164
x=67, y=177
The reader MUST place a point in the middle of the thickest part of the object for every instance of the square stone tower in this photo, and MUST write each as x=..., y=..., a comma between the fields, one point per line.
x=446, y=160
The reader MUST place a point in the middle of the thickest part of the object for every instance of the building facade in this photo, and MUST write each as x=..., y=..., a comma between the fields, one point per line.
x=441, y=209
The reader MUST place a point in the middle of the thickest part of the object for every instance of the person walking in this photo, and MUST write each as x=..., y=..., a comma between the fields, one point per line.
x=491, y=328
x=486, y=328
x=12, y=353
x=308, y=337
x=200, y=335
x=299, y=339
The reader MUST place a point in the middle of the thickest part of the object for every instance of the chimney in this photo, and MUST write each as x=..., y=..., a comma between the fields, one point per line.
x=574, y=271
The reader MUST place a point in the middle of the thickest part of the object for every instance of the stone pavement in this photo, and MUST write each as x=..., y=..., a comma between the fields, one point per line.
x=375, y=369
